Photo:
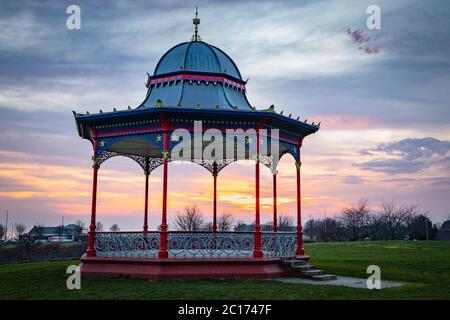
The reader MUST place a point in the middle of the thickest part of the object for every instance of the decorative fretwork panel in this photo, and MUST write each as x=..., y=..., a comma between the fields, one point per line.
x=279, y=244
x=146, y=163
x=210, y=244
x=127, y=244
x=187, y=244
x=209, y=164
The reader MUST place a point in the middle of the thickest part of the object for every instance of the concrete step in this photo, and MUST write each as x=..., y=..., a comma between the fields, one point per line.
x=324, y=277
x=288, y=258
x=313, y=272
x=303, y=267
x=294, y=263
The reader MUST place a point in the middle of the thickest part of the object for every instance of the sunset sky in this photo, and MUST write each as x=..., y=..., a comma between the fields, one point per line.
x=382, y=98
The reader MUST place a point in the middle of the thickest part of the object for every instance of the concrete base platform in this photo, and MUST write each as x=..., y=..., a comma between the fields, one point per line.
x=184, y=267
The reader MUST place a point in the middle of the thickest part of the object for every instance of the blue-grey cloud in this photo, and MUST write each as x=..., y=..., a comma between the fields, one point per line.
x=428, y=182
x=414, y=149
x=407, y=155
x=297, y=55
x=352, y=179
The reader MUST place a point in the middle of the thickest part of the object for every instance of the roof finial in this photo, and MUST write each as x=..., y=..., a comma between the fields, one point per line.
x=196, y=22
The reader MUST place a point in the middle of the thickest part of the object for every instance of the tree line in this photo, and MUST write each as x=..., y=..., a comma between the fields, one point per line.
x=361, y=222
x=191, y=219
x=20, y=230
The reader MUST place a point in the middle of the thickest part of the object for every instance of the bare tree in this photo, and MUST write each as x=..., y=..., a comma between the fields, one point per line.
x=310, y=229
x=268, y=226
x=99, y=227
x=242, y=226
x=395, y=218
x=375, y=227
x=390, y=219
x=114, y=228
x=420, y=227
x=190, y=219
x=355, y=219
x=79, y=227
x=286, y=223
x=27, y=242
x=20, y=228
x=225, y=222
x=207, y=226
x=328, y=229
x=2, y=231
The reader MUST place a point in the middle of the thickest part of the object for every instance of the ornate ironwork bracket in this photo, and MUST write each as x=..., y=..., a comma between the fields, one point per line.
x=266, y=160
x=146, y=163
x=214, y=166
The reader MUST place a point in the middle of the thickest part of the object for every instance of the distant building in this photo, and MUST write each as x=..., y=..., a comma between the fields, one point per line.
x=44, y=233
x=444, y=232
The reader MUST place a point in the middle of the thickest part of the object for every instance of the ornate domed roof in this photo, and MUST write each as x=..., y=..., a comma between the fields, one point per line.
x=197, y=56
x=196, y=75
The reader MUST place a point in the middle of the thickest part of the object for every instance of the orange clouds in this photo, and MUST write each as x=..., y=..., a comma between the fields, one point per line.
x=67, y=190
x=329, y=183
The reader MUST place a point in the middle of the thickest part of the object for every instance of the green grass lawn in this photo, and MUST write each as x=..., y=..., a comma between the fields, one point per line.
x=423, y=266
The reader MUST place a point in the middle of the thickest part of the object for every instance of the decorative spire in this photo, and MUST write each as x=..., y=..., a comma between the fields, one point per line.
x=196, y=22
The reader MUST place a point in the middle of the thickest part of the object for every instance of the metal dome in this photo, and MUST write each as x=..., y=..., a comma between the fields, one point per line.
x=197, y=56
x=196, y=75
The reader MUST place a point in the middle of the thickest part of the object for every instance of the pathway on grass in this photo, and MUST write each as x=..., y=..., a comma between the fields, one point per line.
x=340, y=281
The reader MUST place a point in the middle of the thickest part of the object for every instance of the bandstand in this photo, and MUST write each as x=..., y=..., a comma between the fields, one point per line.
x=198, y=91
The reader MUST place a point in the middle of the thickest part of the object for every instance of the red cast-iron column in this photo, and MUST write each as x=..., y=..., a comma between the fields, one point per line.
x=147, y=174
x=298, y=164
x=90, y=252
x=163, y=253
x=215, y=197
x=257, y=252
x=275, y=218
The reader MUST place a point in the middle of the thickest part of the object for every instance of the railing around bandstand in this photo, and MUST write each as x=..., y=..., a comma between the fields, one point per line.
x=190, y=244
x=207, y=244
x=127, y=244
x=279, y=244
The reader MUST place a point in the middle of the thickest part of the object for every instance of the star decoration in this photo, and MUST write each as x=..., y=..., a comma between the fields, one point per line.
x=102, y=143
x=249, y=140
x=158, y=138
x=175, y=137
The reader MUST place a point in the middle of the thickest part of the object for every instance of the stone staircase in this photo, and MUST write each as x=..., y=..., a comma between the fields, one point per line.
x=306, y=270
